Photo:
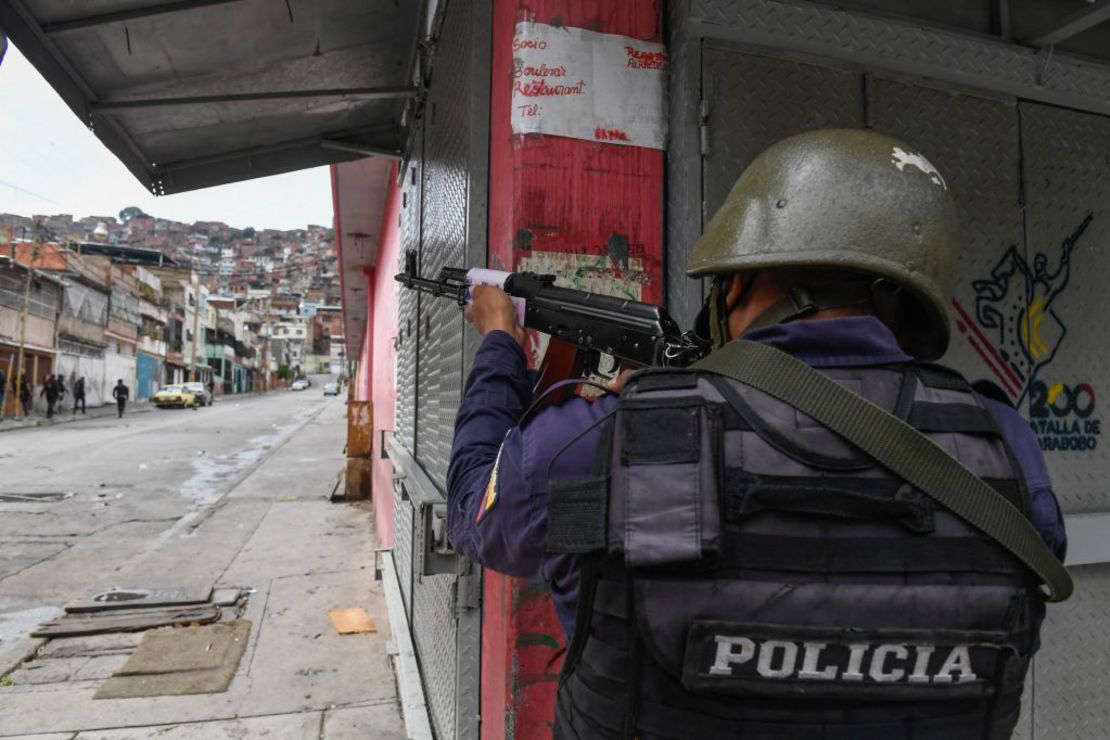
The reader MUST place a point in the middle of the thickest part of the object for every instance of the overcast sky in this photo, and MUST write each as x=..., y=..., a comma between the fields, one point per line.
x=50, y=163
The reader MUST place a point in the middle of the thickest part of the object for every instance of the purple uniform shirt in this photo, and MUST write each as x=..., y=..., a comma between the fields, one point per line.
x=497, y=480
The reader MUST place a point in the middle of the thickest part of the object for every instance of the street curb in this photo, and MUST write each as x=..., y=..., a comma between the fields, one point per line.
x=147, y=406
x=410, y=690
x=39, y=422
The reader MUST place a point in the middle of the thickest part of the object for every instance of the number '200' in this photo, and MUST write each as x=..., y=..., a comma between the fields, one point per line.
x=1078, y=400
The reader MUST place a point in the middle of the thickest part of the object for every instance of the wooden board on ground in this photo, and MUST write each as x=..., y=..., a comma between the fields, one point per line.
x=125, y=620
x=190, y=660
x=112, y=599
x=351, y=621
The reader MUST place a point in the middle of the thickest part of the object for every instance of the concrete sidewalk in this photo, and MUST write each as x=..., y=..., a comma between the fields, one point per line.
x=300, y=556
x=65, y=415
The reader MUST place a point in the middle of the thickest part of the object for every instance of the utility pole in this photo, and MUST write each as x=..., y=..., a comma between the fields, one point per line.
x=19, y=374
x=194, y=282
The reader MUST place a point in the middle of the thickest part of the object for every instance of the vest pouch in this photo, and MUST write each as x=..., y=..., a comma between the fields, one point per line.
x=665, y=481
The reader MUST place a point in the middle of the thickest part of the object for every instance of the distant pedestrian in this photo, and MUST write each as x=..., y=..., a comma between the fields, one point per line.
x=25, y=395
x=120, y=393
x=211, y=392
x=3, y=387
x=60, y=381
x=50, y=391
x=79, y=395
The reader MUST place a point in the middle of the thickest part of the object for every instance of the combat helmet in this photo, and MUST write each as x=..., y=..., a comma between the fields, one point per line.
x=848, y=200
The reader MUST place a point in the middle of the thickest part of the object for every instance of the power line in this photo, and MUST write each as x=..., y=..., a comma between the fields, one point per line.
x=28, y=192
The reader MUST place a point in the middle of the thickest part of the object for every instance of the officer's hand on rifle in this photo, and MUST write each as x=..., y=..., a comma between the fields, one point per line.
x=491, y=309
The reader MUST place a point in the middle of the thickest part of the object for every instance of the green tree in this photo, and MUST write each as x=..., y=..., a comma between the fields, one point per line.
x=284, y=373
x=248, y=233
x=131, y=212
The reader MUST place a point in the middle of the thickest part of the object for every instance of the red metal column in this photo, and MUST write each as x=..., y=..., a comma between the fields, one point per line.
x=570, y=197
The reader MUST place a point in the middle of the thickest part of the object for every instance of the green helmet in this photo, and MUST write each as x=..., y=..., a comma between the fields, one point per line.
x=843, y=199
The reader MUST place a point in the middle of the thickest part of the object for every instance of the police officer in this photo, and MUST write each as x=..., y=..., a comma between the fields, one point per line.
x=742, y=571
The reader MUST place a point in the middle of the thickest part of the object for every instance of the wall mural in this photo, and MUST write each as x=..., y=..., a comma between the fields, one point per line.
x=1016, y=330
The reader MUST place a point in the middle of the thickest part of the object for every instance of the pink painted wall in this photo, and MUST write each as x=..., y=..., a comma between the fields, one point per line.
x=382, y=388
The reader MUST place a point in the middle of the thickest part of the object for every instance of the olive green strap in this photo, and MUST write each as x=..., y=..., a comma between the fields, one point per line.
x=895, y=445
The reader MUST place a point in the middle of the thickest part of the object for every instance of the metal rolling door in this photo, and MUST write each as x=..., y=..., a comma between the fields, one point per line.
x=402, y=543
x=440, y=359
x=754, y=101
x=1065, y=155
x=445, y=209
x=408, y=327
x=408, y=333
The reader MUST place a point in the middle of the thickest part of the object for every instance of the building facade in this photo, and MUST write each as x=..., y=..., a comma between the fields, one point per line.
x=36, y=297
x=1015, y=136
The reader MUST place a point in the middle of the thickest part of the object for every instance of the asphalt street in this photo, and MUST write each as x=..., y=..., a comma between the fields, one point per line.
x=233, y=495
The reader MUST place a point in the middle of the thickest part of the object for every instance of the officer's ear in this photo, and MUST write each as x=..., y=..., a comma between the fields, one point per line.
x=735, y=290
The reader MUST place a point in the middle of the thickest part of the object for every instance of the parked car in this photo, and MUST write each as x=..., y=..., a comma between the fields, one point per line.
x=299, y=385
x=331, y=389
x=198, y=390
x=175, y=396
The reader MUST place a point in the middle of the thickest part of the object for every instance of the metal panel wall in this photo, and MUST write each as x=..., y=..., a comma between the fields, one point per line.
x=1029, y=181
x=754, y=101
x=975, y=142
x=1063, y=294
x=683, y=178
x=1065, y=156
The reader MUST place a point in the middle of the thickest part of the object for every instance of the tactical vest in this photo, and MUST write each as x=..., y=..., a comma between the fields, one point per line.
x=748, y=574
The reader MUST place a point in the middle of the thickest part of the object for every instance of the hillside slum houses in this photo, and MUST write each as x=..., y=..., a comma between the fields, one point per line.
x=108, y=312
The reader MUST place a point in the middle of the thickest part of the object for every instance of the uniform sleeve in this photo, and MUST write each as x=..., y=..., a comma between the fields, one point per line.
x=1046, y=515
x=488, y=514
x=497, y=479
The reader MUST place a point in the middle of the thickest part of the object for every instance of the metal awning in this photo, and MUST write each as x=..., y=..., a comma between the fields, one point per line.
x=360, y=191
x=193, y=93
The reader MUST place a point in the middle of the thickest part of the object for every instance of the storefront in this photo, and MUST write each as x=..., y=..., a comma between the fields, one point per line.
x=1019, y=130
x=489, y=152
x=37, y=363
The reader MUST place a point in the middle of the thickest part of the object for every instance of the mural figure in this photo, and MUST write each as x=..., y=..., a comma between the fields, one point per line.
x=1014, y=308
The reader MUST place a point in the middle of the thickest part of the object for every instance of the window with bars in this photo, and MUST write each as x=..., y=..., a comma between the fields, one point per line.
x=44, y=294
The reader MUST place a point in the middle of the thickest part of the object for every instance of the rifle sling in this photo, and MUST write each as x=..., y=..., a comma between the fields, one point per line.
x=897, y=446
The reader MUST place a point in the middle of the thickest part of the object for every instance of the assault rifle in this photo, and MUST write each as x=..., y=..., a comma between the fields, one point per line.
x=582, y=325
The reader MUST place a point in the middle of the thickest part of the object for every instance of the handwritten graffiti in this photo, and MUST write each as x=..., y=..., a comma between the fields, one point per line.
x=1017, y=331
x=640, y=59
x=542, y=70
x=610, y=134
x=539, y=88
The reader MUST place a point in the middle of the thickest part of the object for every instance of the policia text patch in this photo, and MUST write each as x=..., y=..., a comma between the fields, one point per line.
x=772, y=661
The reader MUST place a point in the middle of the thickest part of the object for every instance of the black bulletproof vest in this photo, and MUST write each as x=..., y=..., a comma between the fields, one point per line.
x=748, y=574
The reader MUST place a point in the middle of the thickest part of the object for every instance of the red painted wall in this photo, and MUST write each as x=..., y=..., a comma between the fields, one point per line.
x=558, y=195
x=382, y=388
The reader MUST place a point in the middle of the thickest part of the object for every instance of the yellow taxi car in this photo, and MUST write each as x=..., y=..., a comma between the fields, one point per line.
x=174, y=396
